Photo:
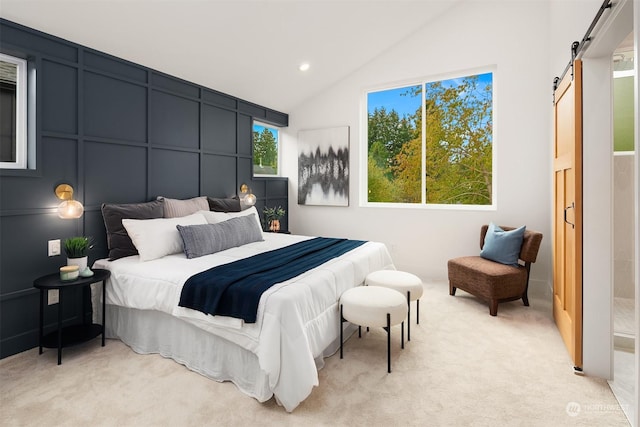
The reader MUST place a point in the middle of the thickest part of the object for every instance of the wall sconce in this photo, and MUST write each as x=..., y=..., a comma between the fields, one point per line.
x=247, y=198
x=69, y=208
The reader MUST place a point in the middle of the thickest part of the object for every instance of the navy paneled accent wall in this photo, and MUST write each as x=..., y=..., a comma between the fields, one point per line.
x=117, y=132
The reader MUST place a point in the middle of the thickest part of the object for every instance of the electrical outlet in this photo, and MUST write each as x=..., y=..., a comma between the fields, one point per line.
x=54, y=247
x=53, y=296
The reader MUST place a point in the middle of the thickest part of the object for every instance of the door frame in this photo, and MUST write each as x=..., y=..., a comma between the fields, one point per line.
x=597, y=195
x=597, y=185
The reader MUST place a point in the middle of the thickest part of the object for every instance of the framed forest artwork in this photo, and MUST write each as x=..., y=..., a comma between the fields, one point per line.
x=323, y=167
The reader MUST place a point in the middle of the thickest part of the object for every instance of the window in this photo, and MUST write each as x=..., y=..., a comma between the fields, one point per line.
x=431, y=143
x=266, y=156
x=13, y=112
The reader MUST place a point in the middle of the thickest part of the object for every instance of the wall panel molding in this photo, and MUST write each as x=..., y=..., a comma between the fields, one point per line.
x=118, y=132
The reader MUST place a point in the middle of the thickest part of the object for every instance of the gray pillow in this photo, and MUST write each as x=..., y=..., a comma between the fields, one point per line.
x=205, y=239
x=118, y=241
x=176, y=208
x=230, y=204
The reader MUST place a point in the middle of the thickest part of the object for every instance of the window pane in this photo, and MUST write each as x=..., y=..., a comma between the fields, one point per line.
x=459, y=129
x=265, y=150
x=432, y=143
x=394, y=145
x=8, y=141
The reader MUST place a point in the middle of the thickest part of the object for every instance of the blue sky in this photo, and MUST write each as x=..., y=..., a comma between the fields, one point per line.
x=399, y=99
x=395, y=99
x=259, y=128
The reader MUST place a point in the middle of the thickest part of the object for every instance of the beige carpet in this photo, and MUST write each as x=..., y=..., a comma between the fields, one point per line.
x=462, y=367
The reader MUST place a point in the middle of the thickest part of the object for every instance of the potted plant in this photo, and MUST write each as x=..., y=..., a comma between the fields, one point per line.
x=272, y=217
x=77, y=249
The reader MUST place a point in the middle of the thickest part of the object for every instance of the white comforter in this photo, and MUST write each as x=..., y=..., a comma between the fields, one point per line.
x=296, y=320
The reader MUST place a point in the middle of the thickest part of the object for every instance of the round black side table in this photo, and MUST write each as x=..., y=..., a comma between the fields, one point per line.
x=74, y=334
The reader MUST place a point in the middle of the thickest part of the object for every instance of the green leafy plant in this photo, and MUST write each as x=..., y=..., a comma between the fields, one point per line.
x=271, y=214
x=77, y=247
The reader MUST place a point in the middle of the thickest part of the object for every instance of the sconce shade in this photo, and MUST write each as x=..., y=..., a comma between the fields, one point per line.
x=247, y=198
x=250, y=199
x=69, y=208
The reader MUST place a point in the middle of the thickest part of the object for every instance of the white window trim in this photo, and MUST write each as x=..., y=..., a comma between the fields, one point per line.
x=21, y=113
x=364, y=120
x=263, y=175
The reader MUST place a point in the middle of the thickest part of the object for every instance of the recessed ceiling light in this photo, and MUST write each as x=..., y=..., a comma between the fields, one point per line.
x=304, y=66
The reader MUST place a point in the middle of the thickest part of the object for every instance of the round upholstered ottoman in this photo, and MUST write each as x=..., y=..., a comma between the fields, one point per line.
x=373, y=306
x=406, y=283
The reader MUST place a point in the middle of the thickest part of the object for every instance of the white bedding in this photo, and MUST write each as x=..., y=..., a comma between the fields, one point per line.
x=297, y=319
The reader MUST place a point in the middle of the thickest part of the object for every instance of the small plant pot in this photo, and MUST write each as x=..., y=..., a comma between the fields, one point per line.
x=80, y=262
x=274, y=225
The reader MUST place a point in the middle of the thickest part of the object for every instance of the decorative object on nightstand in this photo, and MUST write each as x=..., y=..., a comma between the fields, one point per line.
x=77, y=250
x=69, y=273
x=74, y=334
x=272, y=217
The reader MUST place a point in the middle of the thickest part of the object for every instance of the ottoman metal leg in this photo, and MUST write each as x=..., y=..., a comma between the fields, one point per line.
x=341, y=327
x=408, y=316
x=389, y=343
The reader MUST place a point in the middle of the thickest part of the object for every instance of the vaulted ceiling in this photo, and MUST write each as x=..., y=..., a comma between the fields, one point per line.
x=247, y=48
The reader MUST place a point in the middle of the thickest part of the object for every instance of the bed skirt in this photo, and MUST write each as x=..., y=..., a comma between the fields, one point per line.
x=200, y=351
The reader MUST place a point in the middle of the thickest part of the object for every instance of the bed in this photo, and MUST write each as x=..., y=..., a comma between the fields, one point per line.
x=297, y=322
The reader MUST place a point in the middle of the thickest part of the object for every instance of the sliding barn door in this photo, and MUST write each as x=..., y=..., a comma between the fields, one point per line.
x=567, y=222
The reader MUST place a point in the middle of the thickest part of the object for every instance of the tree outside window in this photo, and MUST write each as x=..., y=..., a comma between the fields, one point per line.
x=265, y=150
x=432, y=143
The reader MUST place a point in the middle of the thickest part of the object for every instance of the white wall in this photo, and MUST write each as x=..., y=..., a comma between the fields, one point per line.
x=509, y=35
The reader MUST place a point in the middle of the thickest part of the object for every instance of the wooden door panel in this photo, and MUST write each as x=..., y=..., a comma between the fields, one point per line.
x=567, y=217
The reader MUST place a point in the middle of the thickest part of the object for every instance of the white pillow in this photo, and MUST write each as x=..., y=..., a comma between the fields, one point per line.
x=155, y=238
x=216, y=217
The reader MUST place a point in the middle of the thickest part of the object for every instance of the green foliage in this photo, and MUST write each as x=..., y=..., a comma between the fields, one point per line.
x=458, y=152
x=273, y=213
x=265, y=151
x=387, y=133
x=77, y=247
x=379, y=186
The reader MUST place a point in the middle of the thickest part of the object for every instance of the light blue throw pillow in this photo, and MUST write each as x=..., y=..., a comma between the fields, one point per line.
x=502, y=246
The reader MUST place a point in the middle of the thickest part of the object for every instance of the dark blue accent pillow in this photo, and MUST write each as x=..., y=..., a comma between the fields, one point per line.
x=502, y=246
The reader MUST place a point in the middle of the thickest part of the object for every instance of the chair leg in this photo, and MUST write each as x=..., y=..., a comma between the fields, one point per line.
x=417, y=311
x=452, y=290
x=525, y=296
x=493, y=307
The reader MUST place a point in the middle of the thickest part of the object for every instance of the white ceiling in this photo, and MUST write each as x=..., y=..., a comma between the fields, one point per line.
x=247, y=48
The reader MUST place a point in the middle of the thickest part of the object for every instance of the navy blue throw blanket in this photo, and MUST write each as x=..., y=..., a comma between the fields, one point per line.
x=234, y=289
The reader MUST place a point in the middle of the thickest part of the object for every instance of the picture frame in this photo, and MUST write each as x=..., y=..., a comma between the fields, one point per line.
x=323, y=166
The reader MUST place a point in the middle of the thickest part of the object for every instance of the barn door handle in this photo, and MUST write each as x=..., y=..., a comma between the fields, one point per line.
x=565, y=215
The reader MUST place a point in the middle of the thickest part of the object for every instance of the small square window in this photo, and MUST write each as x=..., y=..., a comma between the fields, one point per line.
x=13, y=112
x=266, y=153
